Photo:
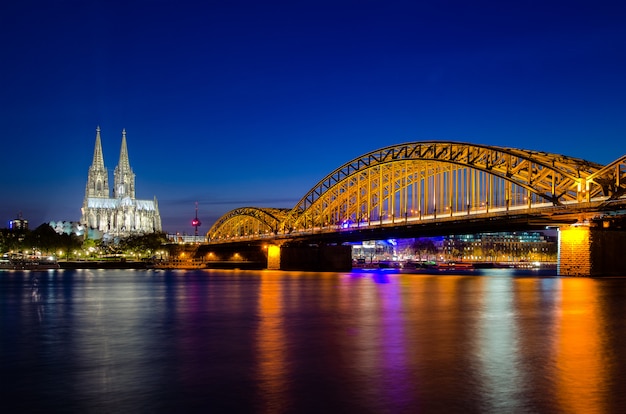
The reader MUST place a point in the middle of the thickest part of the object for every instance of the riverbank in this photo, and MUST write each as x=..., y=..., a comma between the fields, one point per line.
x=104, y=264
x=175, y=264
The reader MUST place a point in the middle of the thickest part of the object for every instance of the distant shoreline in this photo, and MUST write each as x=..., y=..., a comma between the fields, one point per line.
x=120, y=264
x=103, y=264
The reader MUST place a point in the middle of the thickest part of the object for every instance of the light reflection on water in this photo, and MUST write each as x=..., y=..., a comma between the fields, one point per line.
x=226, y=341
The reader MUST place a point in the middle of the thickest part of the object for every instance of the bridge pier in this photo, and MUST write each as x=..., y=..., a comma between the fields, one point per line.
x=592, y=248
x=334, y=258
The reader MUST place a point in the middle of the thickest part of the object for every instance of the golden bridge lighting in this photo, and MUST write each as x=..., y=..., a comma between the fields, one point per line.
x=429, y=177
x=438, y=181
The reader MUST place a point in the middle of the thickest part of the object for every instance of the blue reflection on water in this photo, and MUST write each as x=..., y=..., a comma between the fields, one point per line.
x=367, y=341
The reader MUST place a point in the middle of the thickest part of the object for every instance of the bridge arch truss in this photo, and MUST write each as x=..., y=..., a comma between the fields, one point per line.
x=434, y=179
x=248, y=221
x=431, y=180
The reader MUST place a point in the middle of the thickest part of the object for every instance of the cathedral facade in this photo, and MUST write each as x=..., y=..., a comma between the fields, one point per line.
x=119, y=214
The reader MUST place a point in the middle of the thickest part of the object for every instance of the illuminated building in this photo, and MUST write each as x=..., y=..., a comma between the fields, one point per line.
x=19, y=223
x=508, y=246
x=122, y=214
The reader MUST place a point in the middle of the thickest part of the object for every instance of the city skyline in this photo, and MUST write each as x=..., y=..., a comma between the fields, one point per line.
x=250, y=104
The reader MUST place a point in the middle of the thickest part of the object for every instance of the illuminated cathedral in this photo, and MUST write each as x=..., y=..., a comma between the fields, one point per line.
x=121, y=214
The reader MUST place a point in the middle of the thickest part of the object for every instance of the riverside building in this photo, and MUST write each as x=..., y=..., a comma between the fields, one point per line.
x=501, y=247
x=119, y=214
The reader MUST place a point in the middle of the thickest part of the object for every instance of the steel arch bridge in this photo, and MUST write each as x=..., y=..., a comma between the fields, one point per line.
x=428, y=181
x=246, y=221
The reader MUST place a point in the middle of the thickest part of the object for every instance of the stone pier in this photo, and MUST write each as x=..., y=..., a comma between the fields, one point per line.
x=333, y=258
x=592, y=248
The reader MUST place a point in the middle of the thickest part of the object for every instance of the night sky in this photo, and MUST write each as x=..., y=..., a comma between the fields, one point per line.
x=251, y=103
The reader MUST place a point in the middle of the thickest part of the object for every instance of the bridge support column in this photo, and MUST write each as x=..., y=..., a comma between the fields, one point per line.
x=273, y=257
x=310, y=258
x=592, y=249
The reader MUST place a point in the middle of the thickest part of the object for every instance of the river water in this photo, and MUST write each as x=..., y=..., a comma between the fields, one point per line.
x=139, y=341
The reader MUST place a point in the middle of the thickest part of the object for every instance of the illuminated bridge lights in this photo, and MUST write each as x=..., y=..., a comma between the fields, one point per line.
x=431, y=181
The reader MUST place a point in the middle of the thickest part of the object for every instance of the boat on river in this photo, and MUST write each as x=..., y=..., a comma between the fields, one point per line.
x=28, y=264
x=454, y=266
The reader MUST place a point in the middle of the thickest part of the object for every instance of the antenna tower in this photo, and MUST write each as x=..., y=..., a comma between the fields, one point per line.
x=195, y=222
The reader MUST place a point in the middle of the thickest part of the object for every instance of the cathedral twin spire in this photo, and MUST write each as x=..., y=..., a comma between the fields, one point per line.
x=124, y=178
x=123, y=174
x=98, y=159
x=98, y=180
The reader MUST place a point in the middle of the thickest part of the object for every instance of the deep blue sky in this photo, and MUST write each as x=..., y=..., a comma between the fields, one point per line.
x=251, y=103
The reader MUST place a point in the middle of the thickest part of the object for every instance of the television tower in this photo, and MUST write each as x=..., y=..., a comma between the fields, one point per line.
x=195, y=222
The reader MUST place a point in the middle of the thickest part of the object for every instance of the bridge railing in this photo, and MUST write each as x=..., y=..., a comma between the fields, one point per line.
x=403, y=220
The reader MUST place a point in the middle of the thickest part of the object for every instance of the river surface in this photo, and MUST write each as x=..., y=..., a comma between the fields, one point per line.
x=150, y=341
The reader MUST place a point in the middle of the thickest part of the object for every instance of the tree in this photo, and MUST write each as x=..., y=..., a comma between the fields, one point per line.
x=44, y=239
x=143, y=245
x=424, y=247
x=70, y=242
x=11, y=240
x=89, y=246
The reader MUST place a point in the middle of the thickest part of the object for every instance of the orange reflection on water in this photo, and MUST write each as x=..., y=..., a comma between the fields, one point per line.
x=271, y=345
x=580, y=372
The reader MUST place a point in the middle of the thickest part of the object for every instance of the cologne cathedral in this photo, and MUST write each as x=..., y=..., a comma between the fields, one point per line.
x=122, y=214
